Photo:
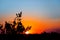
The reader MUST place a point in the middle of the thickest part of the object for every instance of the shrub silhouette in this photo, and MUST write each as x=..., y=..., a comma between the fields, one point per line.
x=10, y=29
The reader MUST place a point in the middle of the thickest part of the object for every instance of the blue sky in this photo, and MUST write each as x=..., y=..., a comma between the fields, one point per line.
x=38, y=8
x=44, y=14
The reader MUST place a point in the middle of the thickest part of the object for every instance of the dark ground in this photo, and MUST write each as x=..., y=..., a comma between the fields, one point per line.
x=43, y=36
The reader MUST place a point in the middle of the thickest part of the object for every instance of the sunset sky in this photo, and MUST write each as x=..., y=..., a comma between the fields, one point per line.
x=42, y=15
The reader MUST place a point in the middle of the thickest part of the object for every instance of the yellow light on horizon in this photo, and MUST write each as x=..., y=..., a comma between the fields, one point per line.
x=27, y=32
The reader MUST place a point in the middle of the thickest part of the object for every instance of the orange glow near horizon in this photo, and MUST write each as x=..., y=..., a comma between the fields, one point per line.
x=39, y=25
x=41, y=15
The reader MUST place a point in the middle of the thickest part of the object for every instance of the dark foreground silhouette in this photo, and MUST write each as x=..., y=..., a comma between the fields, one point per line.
x=16, y=27
x=11, y=33
x=43, y=36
